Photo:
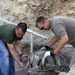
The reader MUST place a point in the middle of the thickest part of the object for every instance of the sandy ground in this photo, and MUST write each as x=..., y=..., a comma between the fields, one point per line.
x=47, y=73
x=20, y=71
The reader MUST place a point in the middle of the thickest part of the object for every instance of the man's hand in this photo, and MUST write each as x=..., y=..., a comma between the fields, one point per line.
x=24, y=57
x=10, y=47
x=44, y=48
x=21, y=64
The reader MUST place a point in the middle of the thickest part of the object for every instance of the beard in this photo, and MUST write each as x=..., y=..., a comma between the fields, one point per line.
x=19, y=38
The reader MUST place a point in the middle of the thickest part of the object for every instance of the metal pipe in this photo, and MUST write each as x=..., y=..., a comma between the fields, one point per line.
x=31, y=44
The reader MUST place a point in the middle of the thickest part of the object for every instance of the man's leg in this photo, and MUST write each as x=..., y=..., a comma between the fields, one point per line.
x=72, y=59
x=12, y=66
x=4, y=59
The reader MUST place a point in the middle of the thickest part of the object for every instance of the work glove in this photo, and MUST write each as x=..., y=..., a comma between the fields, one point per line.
x=44, y=48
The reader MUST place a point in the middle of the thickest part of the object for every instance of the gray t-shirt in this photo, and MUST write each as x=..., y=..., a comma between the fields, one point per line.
x=62, y=26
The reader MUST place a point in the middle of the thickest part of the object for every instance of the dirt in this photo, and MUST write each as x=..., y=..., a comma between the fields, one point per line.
x=22, y=72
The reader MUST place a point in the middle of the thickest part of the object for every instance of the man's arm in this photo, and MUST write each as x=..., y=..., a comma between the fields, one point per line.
x=10, y=47
x=63, y=40
x=53, y=41
x=16, y=46
x=50, y=43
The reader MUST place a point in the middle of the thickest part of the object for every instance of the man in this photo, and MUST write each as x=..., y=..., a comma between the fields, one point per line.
x=64, y=30
x=10, y=35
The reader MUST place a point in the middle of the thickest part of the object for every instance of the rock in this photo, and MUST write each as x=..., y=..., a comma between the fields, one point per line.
x=71, y=72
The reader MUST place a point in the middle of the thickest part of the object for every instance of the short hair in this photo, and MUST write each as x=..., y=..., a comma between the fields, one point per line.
x=40, y=19
x=23, y=26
